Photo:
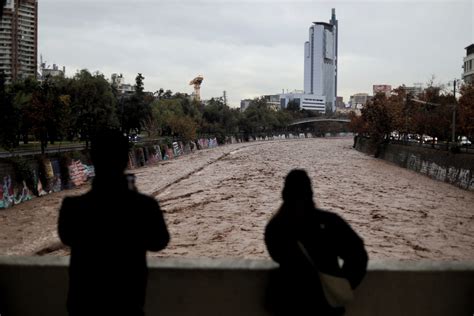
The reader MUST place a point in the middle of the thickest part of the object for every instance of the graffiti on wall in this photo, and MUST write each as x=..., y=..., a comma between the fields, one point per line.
x=176, y=149
x=76, y=173
x=80, y=173
x=9, y=196
x=6, y=192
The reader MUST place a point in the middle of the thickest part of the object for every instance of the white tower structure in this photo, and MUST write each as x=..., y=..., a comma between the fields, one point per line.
x=320, y=61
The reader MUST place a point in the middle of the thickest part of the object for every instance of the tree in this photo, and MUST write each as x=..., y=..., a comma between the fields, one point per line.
x=258, y=118
x=465, y=117
x=175, y=117
x=397, y=104
x=377, y=118
x=93, y=105
x=9, y=115
x=22, y=91
x=357, y=124
x=135, y=110
x=183, y=126
x=293, y=106
x=219, y=119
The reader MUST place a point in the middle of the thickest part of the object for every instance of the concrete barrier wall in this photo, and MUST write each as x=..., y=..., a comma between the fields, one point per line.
x=441, y=165
x=38, y=286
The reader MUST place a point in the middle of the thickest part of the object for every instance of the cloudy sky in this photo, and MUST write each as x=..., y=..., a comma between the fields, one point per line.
x=251, y=48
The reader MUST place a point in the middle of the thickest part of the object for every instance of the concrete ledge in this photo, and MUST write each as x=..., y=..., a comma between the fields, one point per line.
x=38, y=286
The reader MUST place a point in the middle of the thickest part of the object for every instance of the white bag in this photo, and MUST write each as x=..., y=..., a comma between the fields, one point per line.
x=337, y=290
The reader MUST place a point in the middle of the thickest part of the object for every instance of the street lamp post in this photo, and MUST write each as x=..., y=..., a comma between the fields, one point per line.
x=453, y=138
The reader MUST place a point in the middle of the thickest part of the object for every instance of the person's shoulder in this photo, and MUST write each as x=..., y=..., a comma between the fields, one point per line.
x=338, y=224
x=75, y=200
x=71, y=204
x=145, y=199
x=331, y=217
x=276, y=222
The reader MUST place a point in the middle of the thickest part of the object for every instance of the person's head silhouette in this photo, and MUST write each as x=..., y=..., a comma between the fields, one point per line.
x=298, y=188
x=109, y=153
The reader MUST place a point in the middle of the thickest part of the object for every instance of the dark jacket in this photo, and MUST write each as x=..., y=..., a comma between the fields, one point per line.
x=294, y=289
x=109, y=230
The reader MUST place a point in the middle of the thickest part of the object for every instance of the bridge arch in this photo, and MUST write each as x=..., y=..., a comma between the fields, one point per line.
x=317, y=119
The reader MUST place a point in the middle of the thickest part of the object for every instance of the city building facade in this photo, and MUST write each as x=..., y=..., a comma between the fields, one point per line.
x=320, y=61
x=359, y=100
x=118, y=81
x=414, y=90
x=310, y=102
x=273, y=101
x=55, y=71
x=468, y=74
x=382, y=88
x=19, y=39
x=340, y=103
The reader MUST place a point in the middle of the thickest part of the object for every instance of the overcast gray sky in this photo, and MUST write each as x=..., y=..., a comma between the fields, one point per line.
x=251, y=48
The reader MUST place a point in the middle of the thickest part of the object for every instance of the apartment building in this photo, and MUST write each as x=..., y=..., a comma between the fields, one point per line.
x=19, y=39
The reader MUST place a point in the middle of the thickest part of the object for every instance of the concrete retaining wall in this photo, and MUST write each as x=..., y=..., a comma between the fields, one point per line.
x=441, y=165
x=38, y=286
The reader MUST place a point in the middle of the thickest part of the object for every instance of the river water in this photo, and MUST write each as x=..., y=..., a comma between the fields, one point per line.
x=217, y=202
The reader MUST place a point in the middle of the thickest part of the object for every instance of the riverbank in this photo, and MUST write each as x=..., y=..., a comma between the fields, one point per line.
x=441, y=165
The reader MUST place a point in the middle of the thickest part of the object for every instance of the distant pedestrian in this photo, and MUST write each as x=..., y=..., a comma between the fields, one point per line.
x=308, y=244
x=109, y=230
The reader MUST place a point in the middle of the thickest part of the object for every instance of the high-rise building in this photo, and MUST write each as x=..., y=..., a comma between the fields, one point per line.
x=320, y=61
x=468, y=74
x=19, y=39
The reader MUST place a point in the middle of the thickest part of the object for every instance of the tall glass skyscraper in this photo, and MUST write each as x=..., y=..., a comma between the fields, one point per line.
x=320, y=61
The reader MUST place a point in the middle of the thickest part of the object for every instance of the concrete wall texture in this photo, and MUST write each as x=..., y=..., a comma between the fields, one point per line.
x=457, y=169
x=38, y=286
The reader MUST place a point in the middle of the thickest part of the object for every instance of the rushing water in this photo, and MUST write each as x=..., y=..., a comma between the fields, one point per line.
x=217, y=202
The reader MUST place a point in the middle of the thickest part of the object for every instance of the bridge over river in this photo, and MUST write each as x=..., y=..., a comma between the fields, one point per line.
x=318, y=119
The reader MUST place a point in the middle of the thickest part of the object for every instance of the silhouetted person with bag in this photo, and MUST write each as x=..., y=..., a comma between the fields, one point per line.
x=109, y=230
x=308, y=244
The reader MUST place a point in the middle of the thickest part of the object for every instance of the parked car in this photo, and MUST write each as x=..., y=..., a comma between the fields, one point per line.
x=429, y=139
x=134, y=138
x=463, y=141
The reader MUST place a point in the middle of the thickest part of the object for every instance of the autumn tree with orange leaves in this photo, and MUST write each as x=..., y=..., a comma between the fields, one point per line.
x=465, y=117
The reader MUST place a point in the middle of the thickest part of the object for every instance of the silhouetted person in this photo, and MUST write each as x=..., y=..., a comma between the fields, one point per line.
x=295, y=288
x=109, y=230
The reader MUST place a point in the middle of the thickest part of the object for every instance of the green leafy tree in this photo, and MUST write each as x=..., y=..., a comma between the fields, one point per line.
x=219, y=119
x=293, y=106
x=136, y=110
x=9, y=126
x=22, y=91
x=93, y=105
x=258, y=118
x=176, y=116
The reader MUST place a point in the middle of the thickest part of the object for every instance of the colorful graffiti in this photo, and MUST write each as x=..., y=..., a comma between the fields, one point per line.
x=76, y=173
x=212, y=143
x=80, y=173
x=177, y=149
x=8, y=197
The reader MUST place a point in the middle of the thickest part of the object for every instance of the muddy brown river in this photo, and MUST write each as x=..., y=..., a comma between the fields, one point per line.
x=217, y=202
